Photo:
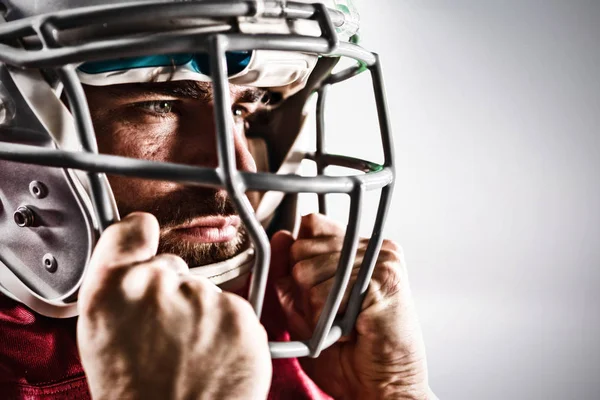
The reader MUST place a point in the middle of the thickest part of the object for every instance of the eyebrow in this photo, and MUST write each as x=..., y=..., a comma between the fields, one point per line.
x=251, y=95
x=186, y=90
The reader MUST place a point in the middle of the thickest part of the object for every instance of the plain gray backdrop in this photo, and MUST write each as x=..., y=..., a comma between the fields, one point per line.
x=495, y=108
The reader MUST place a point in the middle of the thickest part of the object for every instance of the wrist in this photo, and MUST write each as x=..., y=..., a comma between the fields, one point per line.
x=415, y=392
x=414, y=388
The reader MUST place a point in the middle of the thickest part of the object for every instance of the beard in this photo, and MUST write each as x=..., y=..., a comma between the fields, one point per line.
x=179, y=208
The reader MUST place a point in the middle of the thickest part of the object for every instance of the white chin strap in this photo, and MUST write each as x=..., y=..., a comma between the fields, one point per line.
x=227, y=270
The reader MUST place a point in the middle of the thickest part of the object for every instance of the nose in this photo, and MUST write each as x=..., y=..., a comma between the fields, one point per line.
x=201, y=144
x=243, y=157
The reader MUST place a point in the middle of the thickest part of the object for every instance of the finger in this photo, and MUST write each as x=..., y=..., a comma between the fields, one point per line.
x=133, y=240
x=160, y=274
x=308, y=248
x=142, y=281
x=314, y=267
x=317, y=296
x=317, y=225
x=310, y=272
x=303, y=249
x=313, y=271
x=281, y=242
x=168, y=267
x=173, y=270
x=296, y=322
x=122, y=246
x=393, y=252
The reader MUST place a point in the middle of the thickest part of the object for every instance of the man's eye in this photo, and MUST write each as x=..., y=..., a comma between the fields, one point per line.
x=159, y=107
x=239, y=112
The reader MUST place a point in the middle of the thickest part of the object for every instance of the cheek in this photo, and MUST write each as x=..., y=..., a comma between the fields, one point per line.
x=137, y=142
x=134, y=194
x=141, y=142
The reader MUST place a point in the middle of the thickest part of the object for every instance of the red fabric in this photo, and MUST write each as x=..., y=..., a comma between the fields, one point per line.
x=289, y=380
x=39, y=358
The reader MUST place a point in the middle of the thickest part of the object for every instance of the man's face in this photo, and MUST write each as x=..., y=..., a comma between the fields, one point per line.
x=174, y=122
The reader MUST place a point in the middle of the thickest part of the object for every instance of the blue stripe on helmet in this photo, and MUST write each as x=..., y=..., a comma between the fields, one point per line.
x=237, y=61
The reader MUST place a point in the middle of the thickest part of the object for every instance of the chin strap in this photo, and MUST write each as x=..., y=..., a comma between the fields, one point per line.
x=227, y=270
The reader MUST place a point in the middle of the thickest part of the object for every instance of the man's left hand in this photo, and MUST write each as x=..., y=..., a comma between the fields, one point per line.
x=385, y=356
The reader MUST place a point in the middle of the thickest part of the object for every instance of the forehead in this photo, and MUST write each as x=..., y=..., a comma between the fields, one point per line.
x=178, y=89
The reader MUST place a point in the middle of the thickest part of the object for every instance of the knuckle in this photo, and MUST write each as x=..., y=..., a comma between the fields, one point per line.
x=235, y=302
x=199, y=295
x=260, y=335
x=192, y=289
x=173, y=263
x=239, y=322
x=393, y=246
x=104, y=284
x=191, y=286
x=311, y=219
x=387, y=255
x=142, y=281
x=301, y=273
x=337, y=243
x=120, y=289
x=389, y=277
x=106, y=275
x=310, y=222
x=297, y=250
x=238, y=309
x=169, y=259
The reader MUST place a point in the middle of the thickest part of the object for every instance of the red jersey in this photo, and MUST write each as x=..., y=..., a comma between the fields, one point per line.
x=39, y=357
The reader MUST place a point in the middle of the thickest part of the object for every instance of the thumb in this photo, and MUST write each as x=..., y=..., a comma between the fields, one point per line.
x=132, y=240
x=281, y=243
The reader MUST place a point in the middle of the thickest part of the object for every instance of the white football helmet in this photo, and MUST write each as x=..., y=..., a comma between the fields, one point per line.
x=55, y=199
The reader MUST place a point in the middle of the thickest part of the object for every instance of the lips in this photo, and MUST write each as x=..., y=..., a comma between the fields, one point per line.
x=213, y=229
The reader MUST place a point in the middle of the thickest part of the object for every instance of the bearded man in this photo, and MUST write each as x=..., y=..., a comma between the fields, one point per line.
x=168, y=301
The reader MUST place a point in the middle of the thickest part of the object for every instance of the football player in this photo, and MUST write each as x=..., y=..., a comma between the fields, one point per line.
x=209, y=286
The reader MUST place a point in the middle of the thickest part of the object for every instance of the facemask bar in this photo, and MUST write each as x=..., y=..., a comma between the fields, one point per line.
x=101, y=194
x=229, y=174
x=329, y=329
x=168, y=43
x=100, y=191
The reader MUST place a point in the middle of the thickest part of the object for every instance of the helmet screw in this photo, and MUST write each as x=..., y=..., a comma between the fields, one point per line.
x=50, y=263
x=3, y=112
x=24, y=217
x=38, y=189
x=7, y=106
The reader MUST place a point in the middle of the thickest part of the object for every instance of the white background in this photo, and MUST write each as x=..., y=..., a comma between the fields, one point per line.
x=495, y=108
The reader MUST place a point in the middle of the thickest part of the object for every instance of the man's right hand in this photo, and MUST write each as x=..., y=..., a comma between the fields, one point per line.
x=147, y=329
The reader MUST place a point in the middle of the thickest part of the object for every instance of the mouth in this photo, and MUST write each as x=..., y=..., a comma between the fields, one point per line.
x=211, y=229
